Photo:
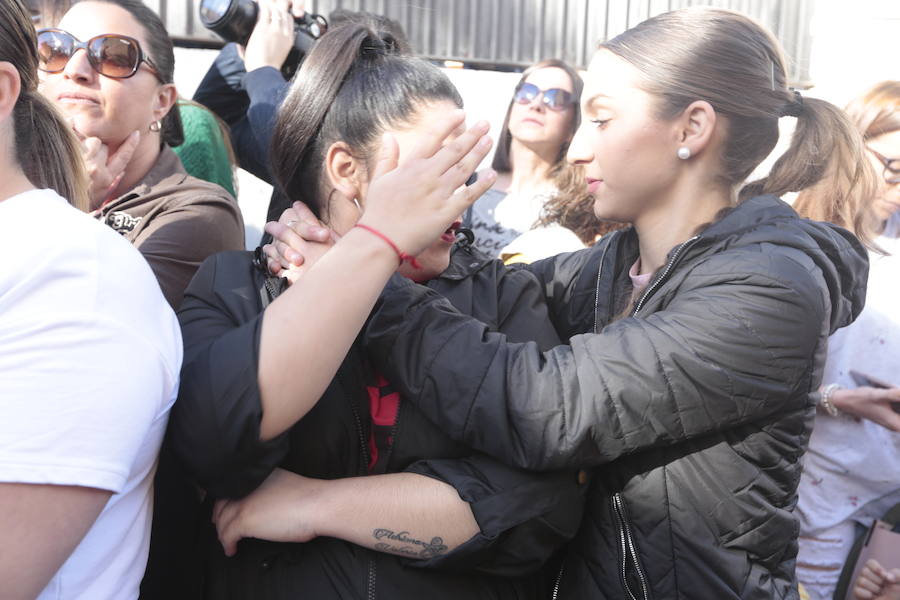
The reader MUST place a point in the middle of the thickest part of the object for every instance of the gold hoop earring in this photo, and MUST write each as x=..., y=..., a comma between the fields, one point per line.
x=155, y=126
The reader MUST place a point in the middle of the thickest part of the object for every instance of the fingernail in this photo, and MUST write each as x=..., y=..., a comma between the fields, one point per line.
x=483, y=125
x=490, y=175
x=484, y=142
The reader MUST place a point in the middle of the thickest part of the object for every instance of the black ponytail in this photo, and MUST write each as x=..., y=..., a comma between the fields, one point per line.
x=355, y=83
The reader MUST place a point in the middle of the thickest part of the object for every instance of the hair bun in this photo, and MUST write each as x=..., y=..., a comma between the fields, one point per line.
x=379, y=45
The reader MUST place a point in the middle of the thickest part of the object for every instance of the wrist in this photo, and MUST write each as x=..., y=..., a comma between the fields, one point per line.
x=826, y=399
x=329, y=507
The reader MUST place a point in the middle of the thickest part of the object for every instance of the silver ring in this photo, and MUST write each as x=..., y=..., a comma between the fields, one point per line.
x=291, y=222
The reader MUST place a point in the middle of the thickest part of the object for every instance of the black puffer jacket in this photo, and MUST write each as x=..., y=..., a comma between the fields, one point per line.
x=696, y=410
x=523, y=516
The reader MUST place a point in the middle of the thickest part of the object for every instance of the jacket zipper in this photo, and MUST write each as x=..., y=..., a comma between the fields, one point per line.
x=599, y=274
x=558, y=580
x=660, y=279
x=626, y=541
x=628, y=549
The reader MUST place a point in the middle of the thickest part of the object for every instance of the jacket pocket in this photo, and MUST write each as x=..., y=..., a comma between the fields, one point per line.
x=632, y=574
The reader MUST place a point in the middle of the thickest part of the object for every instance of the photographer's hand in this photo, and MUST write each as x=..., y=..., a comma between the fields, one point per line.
x=273, y=35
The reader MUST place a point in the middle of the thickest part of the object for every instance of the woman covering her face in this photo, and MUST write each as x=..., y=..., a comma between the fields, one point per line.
x=696, y=337
x=283, y=420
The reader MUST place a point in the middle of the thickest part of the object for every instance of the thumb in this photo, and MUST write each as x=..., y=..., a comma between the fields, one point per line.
x=119, y=159
x=388, y=156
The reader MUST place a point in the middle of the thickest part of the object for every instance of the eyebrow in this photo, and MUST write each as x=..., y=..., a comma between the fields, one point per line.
x=596, y=99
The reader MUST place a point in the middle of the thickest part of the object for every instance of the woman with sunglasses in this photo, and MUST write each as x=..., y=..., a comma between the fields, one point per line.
x=851, y=473
x=90, y=354
x=108, y=68
x=530, y=164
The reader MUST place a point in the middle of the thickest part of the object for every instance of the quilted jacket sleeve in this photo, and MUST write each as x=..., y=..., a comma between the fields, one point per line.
x=523, y=516
x=733, y=344
x=214, y=426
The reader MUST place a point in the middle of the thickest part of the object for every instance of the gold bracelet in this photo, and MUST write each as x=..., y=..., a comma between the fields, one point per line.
x=825, y=399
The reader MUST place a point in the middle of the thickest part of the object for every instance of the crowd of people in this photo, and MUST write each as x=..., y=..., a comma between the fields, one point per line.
x=610, y=366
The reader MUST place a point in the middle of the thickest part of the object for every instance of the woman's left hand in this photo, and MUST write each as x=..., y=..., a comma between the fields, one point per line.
x=279, y=510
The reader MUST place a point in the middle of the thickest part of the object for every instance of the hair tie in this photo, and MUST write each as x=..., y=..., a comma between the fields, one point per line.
x=794, y=108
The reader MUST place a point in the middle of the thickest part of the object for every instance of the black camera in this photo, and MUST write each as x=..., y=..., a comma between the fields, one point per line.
x=234, y=21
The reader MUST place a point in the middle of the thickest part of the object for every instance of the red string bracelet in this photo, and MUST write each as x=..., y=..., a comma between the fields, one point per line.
x=404, y=257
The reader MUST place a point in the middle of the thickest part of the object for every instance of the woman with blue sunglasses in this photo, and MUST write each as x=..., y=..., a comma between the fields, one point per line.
x=533, y=177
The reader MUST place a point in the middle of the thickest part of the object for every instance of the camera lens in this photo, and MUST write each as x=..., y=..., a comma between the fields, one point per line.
x=212, y=11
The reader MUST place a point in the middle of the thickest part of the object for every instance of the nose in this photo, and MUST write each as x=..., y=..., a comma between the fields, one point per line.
x=78, y=67
x=580, y=151
x=537, y=103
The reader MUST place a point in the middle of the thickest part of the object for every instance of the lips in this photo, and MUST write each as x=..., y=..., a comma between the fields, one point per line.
x=593, y=184
x=76, y=98
x=449, y=235
x=533, y=122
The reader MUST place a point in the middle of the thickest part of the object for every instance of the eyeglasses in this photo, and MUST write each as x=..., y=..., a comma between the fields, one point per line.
x=554, y=99
x=891, y=167
x=111, y=55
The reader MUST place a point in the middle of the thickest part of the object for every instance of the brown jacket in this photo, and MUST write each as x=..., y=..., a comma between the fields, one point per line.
x=176, y=221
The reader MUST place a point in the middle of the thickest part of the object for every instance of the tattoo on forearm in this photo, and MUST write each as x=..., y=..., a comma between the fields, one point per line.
x=401, y=543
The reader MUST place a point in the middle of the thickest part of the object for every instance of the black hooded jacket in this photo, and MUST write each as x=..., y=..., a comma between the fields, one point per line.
x=523, y=516
x=696, y=409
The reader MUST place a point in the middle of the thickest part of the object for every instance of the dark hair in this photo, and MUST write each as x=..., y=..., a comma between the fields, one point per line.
x=352, y=86
x=735, y=64
x=161, y=52
x=45, y=147
x=339, y=16
x=577, y=214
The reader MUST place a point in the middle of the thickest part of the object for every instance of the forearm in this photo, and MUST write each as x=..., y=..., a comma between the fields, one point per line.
x=400, y=513
x=307, y=330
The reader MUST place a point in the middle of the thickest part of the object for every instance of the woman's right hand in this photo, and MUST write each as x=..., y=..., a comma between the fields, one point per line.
x=105, y=170
x=874, y=404
x=412, y=204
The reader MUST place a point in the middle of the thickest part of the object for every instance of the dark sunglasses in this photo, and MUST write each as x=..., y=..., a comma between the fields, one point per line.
x=111, y=55
x=891, y=167
x=554, y=99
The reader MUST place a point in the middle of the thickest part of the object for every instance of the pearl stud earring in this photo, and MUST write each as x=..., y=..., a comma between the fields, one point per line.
x=684, y=153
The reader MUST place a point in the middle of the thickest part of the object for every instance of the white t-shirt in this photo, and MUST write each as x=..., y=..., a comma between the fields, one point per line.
x=497, y=218
x=90, y=355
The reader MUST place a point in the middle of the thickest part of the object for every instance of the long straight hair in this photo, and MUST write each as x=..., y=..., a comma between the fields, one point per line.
x=352, y=86
x=735, y=64
x=44, y=145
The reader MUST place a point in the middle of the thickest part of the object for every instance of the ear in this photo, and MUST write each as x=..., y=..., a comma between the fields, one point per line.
x=696, y=126
x=10, y=87
x=345, y=172
x=165, y=99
